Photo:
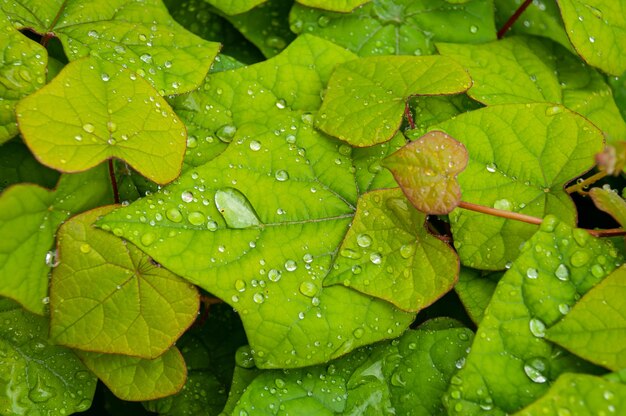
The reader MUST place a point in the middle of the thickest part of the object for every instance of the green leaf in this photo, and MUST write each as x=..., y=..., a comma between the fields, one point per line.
x=384, y=379
x=388, y=253
x=365, y=99
x=266, y=26
x=29, y=217
x=527, y=70
x=554, y=269
x=235, y=6
x=22, y=71
x=107, y=296
x=520, y=157
x=140, y=36
x=609, y=201
x=367, y=161
x=38, y=377
x=475, y=291
x=209, y=352
x=399, y=27
x=135, y=379
x=430, y=110
x=343, y=6
x=426, y=170
x=107, y=112
x=17, y=164
x=597, y=29
x=601, y=341
x=298, y=185
x=581, y=395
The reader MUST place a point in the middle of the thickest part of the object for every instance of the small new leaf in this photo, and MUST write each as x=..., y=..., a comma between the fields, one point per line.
x=610, y=202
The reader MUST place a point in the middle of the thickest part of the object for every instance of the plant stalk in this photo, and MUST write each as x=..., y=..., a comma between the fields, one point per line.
x=513, y=18
x=116, y=194
x=578, y=187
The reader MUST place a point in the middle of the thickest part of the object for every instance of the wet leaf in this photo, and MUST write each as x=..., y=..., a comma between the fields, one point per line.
x=140, y=36
x=22, y=71
x=553, y=270
x=107, y=296
x=520, y=157
x=365, y=99
x=29, y=217
x=398, y=27
x=579, y=394
x=475, y=291
x=235, y=6
x=367, y=161
x=38, y=377
x=135, y=379
x=296, y=189
x=383, y=379
x=107, y=112
x=609, y=201
x=426, y=171
x=528, y=70
x=343, y=6
x=601, y=341
x=388, y=253
x=597, y=29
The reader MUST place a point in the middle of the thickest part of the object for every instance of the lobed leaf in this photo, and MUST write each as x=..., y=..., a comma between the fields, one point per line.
x=527, y=70
x=365, y=99
x=22, y=71
x=388, y=253
x=609, y=201
x=140, y=36
x=555, y=267
x=597, y=30
x=135, y=379
x=107, y=112
x=398, y=27
x=30, y=215
x=38, y=377
x=595, y=328
x=426, y=171
x=520, y=157
x=258, y=225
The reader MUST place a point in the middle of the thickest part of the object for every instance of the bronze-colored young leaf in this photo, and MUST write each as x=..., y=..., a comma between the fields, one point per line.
x=426, y=171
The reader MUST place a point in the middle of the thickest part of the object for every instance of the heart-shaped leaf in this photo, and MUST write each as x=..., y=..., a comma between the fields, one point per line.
x=426, y=170
x=107, y=111
x=365, y=99
x=107, y=296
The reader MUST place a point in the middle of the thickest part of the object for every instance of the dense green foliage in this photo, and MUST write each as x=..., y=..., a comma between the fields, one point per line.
x=357, y=207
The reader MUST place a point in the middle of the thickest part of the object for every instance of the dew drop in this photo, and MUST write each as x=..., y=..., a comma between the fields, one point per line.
x=358, y=333
x=491, y=167
x=552, y=110
x=258, y=298
x=196, y=218
x=364, y=240
x=211, y=225
x=579, y=258
x=308, y=289
x=281, y=104
x=407, y=250
x=89, y=128
x=226, y=133
x=147, y=239
x=281, y=175
x=85, y=248
x=291, y=265
x=240, y=285
x=146, y=57
x=503, y=204
x=186, y=196
x=41, y=392
x=562, y=272
x=564, y=308
x=235, y=208
x=473, y=29
x=274, y=275
x=349, y=253
x=537, y=327
x=105, y=77
x=532, y=273
x=174, y=215
x=534, y=369
x=356, y=269
x=255, y=146
x=376, y=258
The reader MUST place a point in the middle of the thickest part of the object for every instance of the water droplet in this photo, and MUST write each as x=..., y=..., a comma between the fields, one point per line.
x=308, y=289
x=291, y=265
x=397, y=380
x=147, y=239
x=473, y=29
x=85, y=248
x=579, y=258
x=307, y=258
x=275, y=42
x=45, y=300
x=363, y=240
x=503, y=204
x=592, y=39
x=280, y=383
x=240, y=285
x=41, y=392
x=562, y=272
x=255, y=146
x=93, y=34
x=105, y=77
x=146, y=57
x=534, y=369
x=235, y=208
x=196, y=218
x=186, y=196
x=407, y=250
x=537, y=327
x=89, y=128
x=281, y=104
x=258, y=298
x=491, y=167
x=226, y=133
x=323, y=21
x=564, y=308
x=174, y=215
x=281, y=175
x=274, y=275
x=356, y=269
x=243, y=357
x=350, y=254
x=51, y=258
x=552, y=110
x=532, y=273
x=211, y=225
x=376, y=258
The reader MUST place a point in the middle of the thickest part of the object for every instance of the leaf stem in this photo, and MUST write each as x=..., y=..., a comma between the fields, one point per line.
x=116, y=194
x=609, y=232
x=513, y=18
x=500, y=213
x=589, y=181
x=49, y=35
x=409, y=116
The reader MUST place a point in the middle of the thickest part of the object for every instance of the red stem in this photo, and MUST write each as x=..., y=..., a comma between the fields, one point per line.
x=409, y=116
x=116, y=194
x=513, y=18
x=500, y=213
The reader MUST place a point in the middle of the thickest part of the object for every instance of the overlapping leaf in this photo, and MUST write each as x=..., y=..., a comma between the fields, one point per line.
x=609, y=201
x=107, y=296
x=475, y=291
x=107, y=112
x=235, y=6
x=580, y=394
x=557, y=265
x=140, y=36
x=17, y=164
x=399, y=27
x=385, y=379
x=595, y=328
x=597, y=29
x=367, y=161
x=135, y=379
x=526, y=70
x=29, y=217
x=259, y=224
x=388, y=253
x=520, y=157
x=22, y=71
x=426, y=170
x=365, y=99
x=38, y=377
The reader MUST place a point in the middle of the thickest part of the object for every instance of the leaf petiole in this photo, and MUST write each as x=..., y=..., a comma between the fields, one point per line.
x=578, y=187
